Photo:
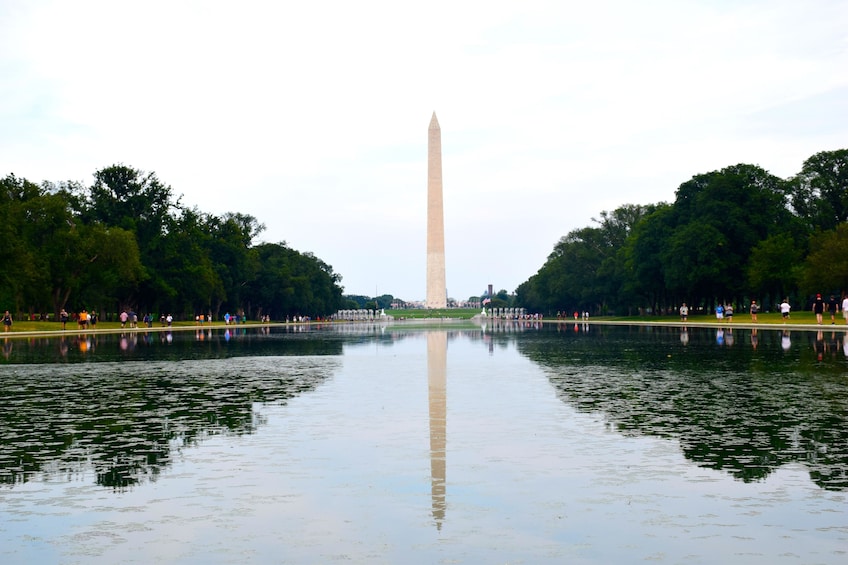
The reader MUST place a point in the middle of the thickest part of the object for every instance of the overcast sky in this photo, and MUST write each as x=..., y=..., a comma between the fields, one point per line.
x=313, y=116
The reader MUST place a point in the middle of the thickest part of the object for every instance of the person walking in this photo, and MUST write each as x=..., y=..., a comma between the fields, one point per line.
x=754, y=310
x=818, y=308
x=845, y=310
x=63, y=317
x=833, y=308
x=784, y=309
x=684, y=312
x=7, y=322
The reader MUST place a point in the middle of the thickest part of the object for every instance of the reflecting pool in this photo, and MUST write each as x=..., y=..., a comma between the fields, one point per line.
x=508, y=443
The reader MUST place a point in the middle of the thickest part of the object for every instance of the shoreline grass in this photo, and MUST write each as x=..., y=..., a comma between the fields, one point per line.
x=806, y=319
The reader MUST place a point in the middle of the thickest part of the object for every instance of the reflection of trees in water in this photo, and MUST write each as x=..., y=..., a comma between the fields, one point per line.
x=126, y=421
x=222, y=342
x=742, y=410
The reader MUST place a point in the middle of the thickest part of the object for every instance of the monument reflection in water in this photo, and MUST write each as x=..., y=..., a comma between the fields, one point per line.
x=567, y=443
x=437, y=367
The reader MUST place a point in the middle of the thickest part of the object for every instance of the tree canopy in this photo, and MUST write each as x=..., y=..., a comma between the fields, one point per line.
x=731, y=235
x=126, y=242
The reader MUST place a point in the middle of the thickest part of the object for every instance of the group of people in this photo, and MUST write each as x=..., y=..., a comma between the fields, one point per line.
x=832, y=305
x=131, y=318
x=84, y=318
x=724, y=311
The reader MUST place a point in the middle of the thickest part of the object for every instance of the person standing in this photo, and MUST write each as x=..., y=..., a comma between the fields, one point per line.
x=833, y=308
x=7, y=322
x=684, y=312
x=719, y=310
x=754, y=310
x=818, y=308
x=784, y=309
x=63, y=317
x=845, y=309
x=728, y=312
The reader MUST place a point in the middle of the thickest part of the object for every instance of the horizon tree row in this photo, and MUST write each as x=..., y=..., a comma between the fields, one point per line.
x=125, y=241
x=732, y=235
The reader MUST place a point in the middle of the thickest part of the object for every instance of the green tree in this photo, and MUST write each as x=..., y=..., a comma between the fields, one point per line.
x=140, y=203
x=24, y=206
x=586, y=269
x=359, y=299
x=719, y=218
x=819, y=193
x=826, y=266
x=644, y=256
x=230, y=249
x=55, y=255
x=128, y=198
x=613, y=275
x=775, y=267
x=101, y=266
x=193, y=281
x=289, y=283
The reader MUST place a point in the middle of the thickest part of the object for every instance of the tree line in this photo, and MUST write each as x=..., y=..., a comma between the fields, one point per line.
x=733, y=235
x=126, y=242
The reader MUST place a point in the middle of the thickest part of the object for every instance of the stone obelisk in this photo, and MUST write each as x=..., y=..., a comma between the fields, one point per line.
x=436, y=286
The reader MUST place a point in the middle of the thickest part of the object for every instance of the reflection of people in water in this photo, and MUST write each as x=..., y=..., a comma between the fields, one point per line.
x=720, y=336
x=755, y=340
x=684, y=336
x=7, y=348
x=833, y=344
x=785, y=341
x=818, y=346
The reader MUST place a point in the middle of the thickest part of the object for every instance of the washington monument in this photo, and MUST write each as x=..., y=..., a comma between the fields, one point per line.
x=436, y=286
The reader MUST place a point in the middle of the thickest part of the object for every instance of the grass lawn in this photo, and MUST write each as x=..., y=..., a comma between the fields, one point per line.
x=420, y=313
x=744, y=318
x=30, y=326
x=741, y=318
